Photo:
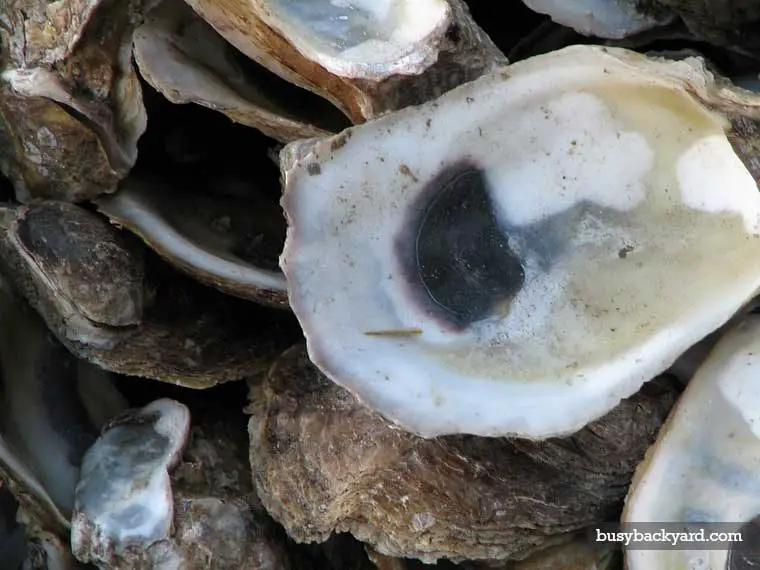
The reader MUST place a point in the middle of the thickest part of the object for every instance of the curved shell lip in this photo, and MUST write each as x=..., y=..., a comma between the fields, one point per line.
x=135, y=210
x=670, y=482
x=164, y=57
x=613, y=20
x=584, y=391
x=413, y=59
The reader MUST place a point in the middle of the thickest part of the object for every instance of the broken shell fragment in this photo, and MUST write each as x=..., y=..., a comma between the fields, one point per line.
x=323, y=463
x=215, y=519
x=365, y=57
x=182, y=57
x=510, y=258
x=124, y=497
x=613, y=19
x=85, y=277
x=226, y=241
x=45, y=420
x=705, y=465
x=71, y=108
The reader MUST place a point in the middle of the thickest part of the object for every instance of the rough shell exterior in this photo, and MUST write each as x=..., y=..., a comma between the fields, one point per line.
x=322, y=463
x=187, y=333
x=71, y=108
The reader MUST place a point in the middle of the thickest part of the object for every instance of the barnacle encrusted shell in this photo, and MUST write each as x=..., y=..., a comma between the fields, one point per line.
x=428, y=47
x=511, y=258
x=181, y=56
x=323, y=463
x=83, y=276
x=71, y=107
x=705, y=465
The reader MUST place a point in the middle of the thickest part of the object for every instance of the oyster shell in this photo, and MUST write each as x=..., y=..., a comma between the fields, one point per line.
x=731, y=24
x=52, y=407
x=407, y=58
x=71, y=108
x=612, y=19
x=226, y=241
x=705, y=465
x=510, y=258
x=85, y=279
x=323, y=463
x=210, y=516
x=28, y=547
x=181, y=56
x=124, y=499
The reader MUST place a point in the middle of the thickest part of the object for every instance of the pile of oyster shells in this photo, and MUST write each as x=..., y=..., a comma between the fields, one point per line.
x=355, y=284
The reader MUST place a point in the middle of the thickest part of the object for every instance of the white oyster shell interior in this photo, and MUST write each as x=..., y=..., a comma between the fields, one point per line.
x=634, y=224
x=124, y=496
x=613, y=19
x=361, y=38
x=705, y=465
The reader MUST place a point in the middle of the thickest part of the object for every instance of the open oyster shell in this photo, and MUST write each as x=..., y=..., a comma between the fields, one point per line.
x=84, y=277
x=323, y=463
x=705, y=465
x=230, y=242
x=71, y=108
x=365, y=57
x=510, y=258
x=181, y=56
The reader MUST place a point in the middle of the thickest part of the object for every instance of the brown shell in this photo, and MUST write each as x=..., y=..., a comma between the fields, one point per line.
x=322, y=463
x=187, y=334
x=71, y=106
